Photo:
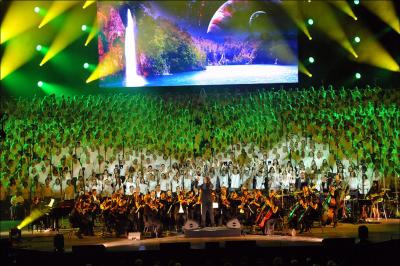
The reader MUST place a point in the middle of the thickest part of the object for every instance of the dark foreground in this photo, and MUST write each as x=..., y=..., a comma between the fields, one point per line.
x=319, y=247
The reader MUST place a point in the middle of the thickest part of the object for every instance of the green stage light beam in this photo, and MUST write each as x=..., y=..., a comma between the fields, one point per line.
x=311, y=59
x=86, y=65
x=38, y=47
x=356, y=2
x=84, y=27
x=357, y=75
x=40, y=84
x=310, y=21
x=357, y=39
x=36, y=9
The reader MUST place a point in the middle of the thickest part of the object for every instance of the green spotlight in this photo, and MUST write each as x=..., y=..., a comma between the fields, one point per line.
x=36, y=9
x=357, y=75
x=40, y=84
x=38, y=47
x=311, y=59
x=356, y=2
x=357, y=39
x=86, y=65
x=84, y=27
x=310, y=21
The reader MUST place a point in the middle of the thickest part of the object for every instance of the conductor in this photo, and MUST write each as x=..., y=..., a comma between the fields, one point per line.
x=206, y=201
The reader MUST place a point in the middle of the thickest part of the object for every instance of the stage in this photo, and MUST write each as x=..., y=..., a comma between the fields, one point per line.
x=381, y=231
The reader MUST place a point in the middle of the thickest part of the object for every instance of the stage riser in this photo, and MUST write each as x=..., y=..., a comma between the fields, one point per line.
x=214, y=232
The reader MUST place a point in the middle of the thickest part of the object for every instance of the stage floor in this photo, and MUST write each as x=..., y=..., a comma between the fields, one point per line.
x=378, y=232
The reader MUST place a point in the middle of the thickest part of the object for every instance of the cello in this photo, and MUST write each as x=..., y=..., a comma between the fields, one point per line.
x=273, y=209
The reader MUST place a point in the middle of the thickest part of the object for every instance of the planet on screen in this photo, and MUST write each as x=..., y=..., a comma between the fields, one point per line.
x=188, y=43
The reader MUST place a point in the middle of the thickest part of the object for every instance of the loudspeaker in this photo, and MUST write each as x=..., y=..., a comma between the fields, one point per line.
x=191, y=225
x=88, y=250
x=134, y=235
x=175, y=246
x=240, y=244
x=233, y=224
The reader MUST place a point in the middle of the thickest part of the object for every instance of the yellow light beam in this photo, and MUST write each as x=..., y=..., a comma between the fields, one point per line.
x=371, y=52
x=19, y=18
x=107, y=66
x=304, y=70
x=93, y=32
x=87, y=3
x=386, y=11
x=293, y=10
x=21, y=49
x=326, y=21
x=69, y=33
x=345, y=7
x=35, y=214
x=57, y=8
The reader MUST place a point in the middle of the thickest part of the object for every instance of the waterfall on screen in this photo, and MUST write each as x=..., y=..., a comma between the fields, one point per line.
x=132, y=78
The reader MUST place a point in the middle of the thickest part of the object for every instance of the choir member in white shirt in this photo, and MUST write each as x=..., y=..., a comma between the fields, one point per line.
x=187, y=182
x=354, y=184
x=285, y=182
x=143, y=186
x=164, y=182
x=224, y=179
x=365, y=185
x=235, y=179
x=274, y=179
x=76, y=167
x=152, y=182
x=108, y=187
x=175, y=182
x=260, y=181
x=128, y=183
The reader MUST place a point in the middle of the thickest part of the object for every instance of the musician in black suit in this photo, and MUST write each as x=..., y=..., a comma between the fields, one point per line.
x=206, y=201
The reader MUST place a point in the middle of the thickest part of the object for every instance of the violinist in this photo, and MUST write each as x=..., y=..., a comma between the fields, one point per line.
x=150, y=217
x=225, y=206
x=168, y=206
x=180, y=210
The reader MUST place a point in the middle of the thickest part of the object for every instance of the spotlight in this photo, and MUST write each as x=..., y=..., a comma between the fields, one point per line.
x=84, y=27
x=356, y=2
x=38, y=47
x=36, y=9
x=40, y=84
x=86, y=65
x=311, y=59
x=357, y=39
x=357, y=75
x=310, y=21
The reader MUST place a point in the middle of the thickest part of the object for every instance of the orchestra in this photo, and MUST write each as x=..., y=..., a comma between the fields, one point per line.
x=259, y=209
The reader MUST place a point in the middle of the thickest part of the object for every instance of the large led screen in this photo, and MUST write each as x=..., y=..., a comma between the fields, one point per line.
x=187, y=43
